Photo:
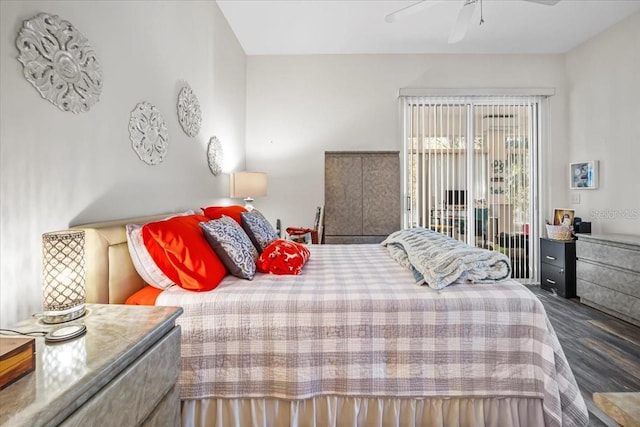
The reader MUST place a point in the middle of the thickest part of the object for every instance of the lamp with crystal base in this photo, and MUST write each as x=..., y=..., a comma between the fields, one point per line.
x=248, y=185
x=63, y=275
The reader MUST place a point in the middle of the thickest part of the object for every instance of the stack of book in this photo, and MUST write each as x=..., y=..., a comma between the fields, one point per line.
x=17, y=359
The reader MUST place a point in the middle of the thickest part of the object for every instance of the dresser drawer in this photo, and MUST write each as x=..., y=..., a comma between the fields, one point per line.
x=624, y=281
x=608, y=254
x=167, y=413
x=552, y=252
x=555, y=279
x=610, y=301
x=132, y=396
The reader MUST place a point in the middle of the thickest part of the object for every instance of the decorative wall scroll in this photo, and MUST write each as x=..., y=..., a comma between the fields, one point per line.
x=59, y=62
x=214, y=156
x=189, y=113
x=148, y=133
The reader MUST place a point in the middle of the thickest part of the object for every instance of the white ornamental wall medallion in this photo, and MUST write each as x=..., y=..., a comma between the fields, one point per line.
x=59, y=62
x=214, y=156
x=148, y=133
x=189, y=113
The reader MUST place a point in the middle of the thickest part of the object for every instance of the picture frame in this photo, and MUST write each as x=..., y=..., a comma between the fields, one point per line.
x=583, y=175
x=563, y=217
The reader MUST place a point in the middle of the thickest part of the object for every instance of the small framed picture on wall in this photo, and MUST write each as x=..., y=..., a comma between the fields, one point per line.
x=583, y=175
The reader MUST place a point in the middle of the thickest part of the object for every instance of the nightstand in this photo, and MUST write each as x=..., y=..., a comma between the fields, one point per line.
x=122, y=372
x=558, y=266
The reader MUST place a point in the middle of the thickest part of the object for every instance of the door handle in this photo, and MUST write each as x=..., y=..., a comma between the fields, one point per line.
x=551, y=281
x=550, y=257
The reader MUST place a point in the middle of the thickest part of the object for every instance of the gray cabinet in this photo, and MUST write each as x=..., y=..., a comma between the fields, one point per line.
x=608, y=274
x=362, y=196
x=122, y=372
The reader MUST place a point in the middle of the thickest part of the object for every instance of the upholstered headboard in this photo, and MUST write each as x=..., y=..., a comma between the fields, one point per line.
x=110, y=275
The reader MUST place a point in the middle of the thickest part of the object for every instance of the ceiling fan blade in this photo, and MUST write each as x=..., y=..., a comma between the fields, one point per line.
x=410, y=10
x=462, y=22
x=545, y=2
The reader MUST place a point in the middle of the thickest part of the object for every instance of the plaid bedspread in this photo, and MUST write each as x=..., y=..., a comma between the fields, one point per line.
x=355, y=324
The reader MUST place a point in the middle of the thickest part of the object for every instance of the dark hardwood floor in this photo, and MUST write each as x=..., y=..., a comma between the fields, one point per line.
x=604, y=352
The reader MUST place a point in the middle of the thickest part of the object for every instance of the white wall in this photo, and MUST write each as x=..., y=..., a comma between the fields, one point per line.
x=300, y=106
x=60, y=169
x=604, y=124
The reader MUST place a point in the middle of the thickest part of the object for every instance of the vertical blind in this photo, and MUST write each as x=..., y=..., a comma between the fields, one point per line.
x=470, y=164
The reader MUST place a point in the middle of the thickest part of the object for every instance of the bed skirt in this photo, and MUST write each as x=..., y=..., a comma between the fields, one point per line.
x=332, y=411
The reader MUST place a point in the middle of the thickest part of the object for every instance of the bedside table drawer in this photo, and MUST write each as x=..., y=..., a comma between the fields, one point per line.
x=552, y=252
x=135, y=392
x=554, y=278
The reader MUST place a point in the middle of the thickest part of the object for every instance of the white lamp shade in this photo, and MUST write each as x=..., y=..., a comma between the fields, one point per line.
x=248, y=184
x=63, y=275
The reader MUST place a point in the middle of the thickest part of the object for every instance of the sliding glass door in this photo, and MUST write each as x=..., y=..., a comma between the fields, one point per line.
x=469, y=164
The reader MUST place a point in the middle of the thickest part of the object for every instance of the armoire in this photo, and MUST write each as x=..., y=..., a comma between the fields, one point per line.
x=362, y=196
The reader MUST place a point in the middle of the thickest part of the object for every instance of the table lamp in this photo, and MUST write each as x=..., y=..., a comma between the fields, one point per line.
x=248, y=185
x=63, y=276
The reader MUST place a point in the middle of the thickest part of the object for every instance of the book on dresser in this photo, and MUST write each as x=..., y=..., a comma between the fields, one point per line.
x=17, y=359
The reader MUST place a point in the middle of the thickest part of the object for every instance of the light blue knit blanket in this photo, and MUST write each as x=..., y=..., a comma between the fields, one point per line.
x=439, y=260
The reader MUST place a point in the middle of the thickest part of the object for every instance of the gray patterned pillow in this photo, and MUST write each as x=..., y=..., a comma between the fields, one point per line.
x=259, y=230
x=232, y=245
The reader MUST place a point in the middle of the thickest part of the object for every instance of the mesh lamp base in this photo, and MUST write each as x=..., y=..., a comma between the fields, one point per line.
x=63, y=316
x=63, y=276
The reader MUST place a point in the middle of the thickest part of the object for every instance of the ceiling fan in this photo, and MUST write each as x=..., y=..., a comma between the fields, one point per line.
x=464, y=15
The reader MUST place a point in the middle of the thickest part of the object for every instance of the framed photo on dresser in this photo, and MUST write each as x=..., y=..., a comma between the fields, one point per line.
x=563, y=217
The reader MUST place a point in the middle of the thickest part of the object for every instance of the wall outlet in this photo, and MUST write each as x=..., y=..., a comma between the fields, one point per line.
x=575, y=198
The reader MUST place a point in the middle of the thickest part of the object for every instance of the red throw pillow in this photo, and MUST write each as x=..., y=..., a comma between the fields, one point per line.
x=182, y=253
x=216, y=212
x=145, y=296
x=283, y=257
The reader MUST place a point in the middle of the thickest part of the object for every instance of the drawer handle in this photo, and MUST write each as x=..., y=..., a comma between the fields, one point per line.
x=550, y=257
x=551, y=281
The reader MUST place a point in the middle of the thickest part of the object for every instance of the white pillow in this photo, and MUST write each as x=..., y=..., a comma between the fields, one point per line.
x=142, y=261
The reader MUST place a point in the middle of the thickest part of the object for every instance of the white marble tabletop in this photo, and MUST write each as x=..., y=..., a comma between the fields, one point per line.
x=67, y=374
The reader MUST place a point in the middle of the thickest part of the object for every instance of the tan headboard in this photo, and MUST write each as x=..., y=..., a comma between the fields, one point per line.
x=111, y=277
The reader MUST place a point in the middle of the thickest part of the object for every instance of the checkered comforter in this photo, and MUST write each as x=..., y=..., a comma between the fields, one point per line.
x=355, y=324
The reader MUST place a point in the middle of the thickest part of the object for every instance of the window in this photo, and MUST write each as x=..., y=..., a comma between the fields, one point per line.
x=469, y=168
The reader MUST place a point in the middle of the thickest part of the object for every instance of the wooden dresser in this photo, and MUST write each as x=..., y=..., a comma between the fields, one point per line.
x=122, y=372
x=608, y=274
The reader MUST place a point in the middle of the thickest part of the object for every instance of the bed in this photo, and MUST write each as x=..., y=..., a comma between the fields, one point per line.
x=353, y=341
